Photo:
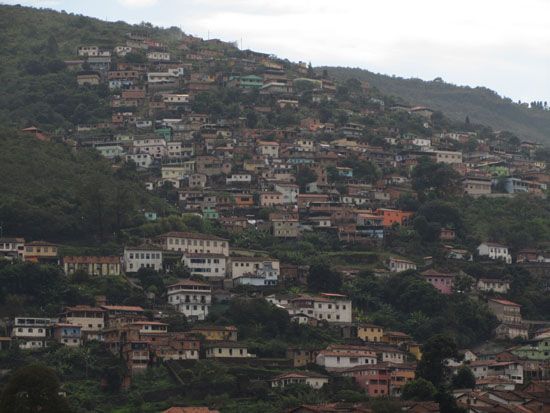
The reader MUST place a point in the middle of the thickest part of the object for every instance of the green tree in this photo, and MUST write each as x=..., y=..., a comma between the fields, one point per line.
x=436, y=179
x=419, y=390
x=31, y=389
x=322, y=278
x=464, y=379
x=304, y=176
x=435, y=351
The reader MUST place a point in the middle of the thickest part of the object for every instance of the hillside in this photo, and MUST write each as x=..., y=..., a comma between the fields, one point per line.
x=481, y=105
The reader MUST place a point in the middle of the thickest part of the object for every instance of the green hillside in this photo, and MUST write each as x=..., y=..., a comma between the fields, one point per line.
x=481, y=105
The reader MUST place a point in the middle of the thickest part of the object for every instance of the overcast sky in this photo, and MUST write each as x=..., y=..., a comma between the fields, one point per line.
x=500, y=44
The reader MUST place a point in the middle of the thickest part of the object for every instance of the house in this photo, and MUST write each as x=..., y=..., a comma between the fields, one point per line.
x=536, y=349
x=309, y=378
x=194, y=242
x=90, y=319
x=332, y=308
x=155, y=55
x=476, y=186
x=391, y=217
x=40, y=252
x=337, y=357
x=270, y=198
x=142, y=160
x=146, y=256
x=31, y=332
x=447, y=234
x=289, y=192
x=205, y=264
x=217, y=333
x=487, y=368
x=12, y=248
x=284, y=225
x=240, y=266
x=509, y=314
x=92, y=265
x=226, y=349
x=399, y=265
x=396, y=338
x=69, y=335
x=443, y=282
x=269, y=149
x=87, y=51
x=370, y=332
x=493, y=284
x=301, y=357
x=448, y=157
x=88, y=78
x=192, y=298
x=494, y=251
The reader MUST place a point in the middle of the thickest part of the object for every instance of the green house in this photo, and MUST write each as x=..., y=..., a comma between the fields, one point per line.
x=210, y=213
x=538, y=349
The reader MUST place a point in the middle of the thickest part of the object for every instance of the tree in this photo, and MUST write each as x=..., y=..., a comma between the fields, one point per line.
x=438, y=179
x=464, y=379
x=322, y=278
x=435, y=351
x=33, y=388
x=419, y=390
x=304, y=176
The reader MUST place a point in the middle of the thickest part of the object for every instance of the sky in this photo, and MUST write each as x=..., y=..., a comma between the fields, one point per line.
x=500, y=44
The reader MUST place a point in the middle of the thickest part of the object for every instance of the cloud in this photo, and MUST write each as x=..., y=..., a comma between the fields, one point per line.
x=138, y=3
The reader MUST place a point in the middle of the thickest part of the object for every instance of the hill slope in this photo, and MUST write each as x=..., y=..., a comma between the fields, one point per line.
x=481, y=105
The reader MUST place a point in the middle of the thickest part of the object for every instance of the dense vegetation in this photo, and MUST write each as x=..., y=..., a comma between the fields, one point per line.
x=481, y=105
x=49, y=191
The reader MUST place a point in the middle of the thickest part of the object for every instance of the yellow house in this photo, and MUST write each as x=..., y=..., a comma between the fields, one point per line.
x=217, y=333
x=370, y=332
x=40, y=251
x=415, y=350
x=396, y=338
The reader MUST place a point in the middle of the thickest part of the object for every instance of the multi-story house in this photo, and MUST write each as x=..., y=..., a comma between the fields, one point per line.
x=289, y=192
x=333, y=308
x=370, y=333
x=90, y=319
x=12, y=248
x=205, y=264
x=338, y=357
x=69, y=335
x=146, y=256
x=192, y=298
x=194, y=242
x=31, y=332
x=495, y=251
x=443, y=282
x=269, y=149
x=270, y=198
x=284, y=225
x=509, y=314
x=40, y=251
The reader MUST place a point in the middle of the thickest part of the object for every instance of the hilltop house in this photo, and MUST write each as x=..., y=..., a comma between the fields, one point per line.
x=92, y=265
x=494, y=251
x=192, y=298
x=146, y=256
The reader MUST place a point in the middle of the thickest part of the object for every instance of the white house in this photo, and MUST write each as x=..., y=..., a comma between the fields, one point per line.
x=142, y=160
x=205, y=264
x=31, y=332
x=493, y=284
x=270, y=149
x=495, y=252
x=192, y=298
x=146, y=256
x=345, y=357
x=239, y=178
x=227, y=349
x=399, y=265
x=194, y=242
x=158, y=56
x=333, y=308
x=289, y=192
x=309, y=378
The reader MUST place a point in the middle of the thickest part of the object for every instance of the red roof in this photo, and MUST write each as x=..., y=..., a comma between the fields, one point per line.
x=191, y=235
x=122, y=308
x=504, y=302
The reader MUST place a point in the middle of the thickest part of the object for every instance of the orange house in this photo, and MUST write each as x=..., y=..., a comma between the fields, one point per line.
x=244, y=200
x=393, y=216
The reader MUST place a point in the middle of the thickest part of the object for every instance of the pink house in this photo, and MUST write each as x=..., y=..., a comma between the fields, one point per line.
x=443, y=282
x=375, y=379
